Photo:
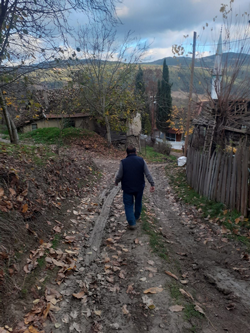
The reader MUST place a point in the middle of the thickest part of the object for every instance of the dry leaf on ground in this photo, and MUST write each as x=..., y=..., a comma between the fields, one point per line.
x=176, y=308
x=172, y=275
x=130, y=289
x=79, y=295
x=185, y=293
x=98, y=312
x=199, y=309
x=125, y=310
x=153, y=290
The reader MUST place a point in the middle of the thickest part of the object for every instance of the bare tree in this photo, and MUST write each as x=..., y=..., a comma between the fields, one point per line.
x=225, y=78
x=106, y=74
x=33, y=32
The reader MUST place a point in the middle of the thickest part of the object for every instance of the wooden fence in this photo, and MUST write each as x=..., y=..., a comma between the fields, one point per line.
x=222, y=177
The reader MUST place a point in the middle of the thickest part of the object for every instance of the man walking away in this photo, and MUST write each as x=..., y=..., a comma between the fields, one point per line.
x=131, y=174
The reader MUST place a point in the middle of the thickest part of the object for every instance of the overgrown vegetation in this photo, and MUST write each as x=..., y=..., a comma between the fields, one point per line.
x=236, y=226
x=153, y=156
x=37, y=155
x=54, y=135
x=156, y=240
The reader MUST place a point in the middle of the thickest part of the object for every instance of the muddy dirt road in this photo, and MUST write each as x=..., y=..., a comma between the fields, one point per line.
x=206, y=287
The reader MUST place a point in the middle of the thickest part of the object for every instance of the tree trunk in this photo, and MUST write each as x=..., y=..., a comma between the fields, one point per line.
x=164, y=137
x=108, y=130
x=9, y=122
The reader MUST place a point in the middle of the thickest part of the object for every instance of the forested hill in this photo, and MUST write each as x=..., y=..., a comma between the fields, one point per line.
x=229, y=59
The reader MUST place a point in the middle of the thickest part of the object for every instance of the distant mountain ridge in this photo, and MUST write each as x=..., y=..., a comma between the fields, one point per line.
x=208, y=62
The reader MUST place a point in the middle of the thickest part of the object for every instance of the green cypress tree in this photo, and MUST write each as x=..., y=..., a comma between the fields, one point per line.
x=164, y=100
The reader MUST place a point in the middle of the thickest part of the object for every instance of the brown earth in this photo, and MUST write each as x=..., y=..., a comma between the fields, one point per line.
x=107, y=290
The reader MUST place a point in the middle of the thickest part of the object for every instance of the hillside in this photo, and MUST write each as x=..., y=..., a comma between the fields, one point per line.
x=228, y=59
x=56, y=74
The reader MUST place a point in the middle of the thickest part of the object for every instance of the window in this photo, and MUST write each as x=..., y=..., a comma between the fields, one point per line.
x=68, y=123
x=171, y=136
x=34, y=127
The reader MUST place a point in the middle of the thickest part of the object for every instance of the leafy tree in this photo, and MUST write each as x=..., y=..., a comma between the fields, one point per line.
x=140, y=93
x=164, y=100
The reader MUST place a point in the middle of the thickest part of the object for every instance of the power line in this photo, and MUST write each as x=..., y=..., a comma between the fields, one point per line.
x=227, y=42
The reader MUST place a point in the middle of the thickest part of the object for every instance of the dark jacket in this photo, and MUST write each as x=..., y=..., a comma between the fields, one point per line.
x=131, y=174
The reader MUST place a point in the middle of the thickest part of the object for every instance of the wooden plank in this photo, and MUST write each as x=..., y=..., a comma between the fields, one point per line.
x=244, y=194
x=238, y=157
x=197, y=168
x=224, y=180
x=216, y=177
x=204, y=176
x=211, y=182
x=218, y=195
x=236, y=130
x=233, y=185
x=209, y=174
x=200, y=171
x=229, y=178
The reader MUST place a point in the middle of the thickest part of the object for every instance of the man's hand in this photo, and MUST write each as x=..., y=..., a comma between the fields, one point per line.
x=152, y=189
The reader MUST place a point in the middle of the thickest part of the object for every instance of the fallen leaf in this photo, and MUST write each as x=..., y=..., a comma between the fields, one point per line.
x=151, y=262
x=79, y=295
x=176, y=308
x=151, y=269
x=57, y=229
x=184, y=282
x=130, y=289
x=46, y=311
x=36, y=301
x=153, y=290
x=32, y=329
x=98, y=312
x=148, y=301
x=172, y=275
x=185, y=293
x=12, y=192
x=143, y=279
x=199, y=309
x=1, y=191
x=57, y=325
x=125, y=310
x=25, y=208
x=121, y=275
x=136, y=241
x=237, y=221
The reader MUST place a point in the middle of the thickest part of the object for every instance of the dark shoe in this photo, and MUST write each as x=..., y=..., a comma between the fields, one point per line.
x=132, y=227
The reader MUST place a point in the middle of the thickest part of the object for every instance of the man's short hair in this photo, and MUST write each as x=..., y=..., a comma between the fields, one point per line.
x=131, y=150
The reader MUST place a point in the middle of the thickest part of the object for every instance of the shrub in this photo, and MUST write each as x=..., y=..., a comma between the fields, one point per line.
x=163, y=148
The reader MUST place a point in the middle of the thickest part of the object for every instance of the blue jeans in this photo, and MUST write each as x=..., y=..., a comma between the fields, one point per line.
x=132, y=210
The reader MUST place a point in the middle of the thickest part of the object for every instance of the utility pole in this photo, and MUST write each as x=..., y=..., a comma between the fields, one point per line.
x=190, y=95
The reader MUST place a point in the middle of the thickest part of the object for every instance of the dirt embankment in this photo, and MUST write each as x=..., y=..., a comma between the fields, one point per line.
x=36, y=187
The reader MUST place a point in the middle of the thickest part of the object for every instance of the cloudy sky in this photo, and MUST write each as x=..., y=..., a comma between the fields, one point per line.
x=164, y=22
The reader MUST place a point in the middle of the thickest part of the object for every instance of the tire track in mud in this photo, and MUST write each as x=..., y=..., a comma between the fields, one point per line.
x=74, y=311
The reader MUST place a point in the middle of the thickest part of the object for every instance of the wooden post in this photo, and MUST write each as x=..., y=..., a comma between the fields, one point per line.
x=190, y=95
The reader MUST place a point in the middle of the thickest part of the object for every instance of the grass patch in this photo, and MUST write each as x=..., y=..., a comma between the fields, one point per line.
x=215, y=211
x=54, y=135
x=36, y=155
x=156, y=240
x=175, y=292
x=56, y=240
x=190, y=312
x=41, y=262
x=152, y=156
